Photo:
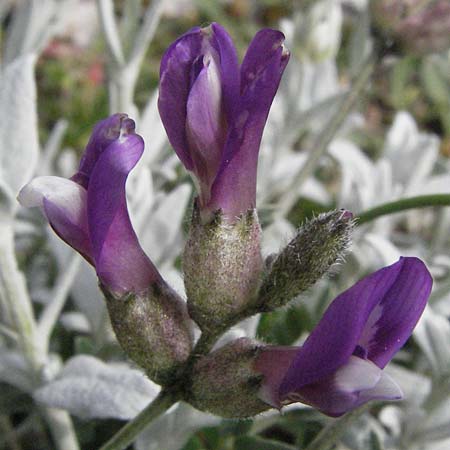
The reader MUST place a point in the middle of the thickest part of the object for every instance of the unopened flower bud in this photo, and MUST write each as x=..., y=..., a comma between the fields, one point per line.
x=319, y=244
x=153, y=329
x=225, y=382
x=222, y=266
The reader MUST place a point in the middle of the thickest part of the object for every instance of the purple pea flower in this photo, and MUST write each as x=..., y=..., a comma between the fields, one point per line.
x=340, y=365
x=214, y=112
x=89, y=211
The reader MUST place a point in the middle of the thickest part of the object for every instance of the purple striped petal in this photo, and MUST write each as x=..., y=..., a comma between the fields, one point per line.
x=234, y=190
x=360, y=322
x=177, y=74
x=120, y=262
x=64, y=204
x=105, y=132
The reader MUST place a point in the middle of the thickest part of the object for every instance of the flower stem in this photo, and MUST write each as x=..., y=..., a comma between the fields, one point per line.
x=128, y=433
x=422, y=201
x=331, y=433
x=165, y=399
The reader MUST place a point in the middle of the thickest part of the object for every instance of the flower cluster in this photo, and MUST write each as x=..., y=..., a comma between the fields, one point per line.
x=214, y=112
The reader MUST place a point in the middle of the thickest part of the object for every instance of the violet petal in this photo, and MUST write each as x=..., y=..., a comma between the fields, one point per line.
x=64, y=204
x=229, y=69
x=392, y=321
x=174, y=86
x=234, y=190
x=104, y=133
x=120, y=262
x=336, y=336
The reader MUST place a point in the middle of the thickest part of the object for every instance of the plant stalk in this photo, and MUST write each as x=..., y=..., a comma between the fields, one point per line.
x=128, y=433
x=422, y=201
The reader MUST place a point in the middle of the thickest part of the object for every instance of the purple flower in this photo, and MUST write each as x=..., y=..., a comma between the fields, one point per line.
x=214, y=112
x=89, y=211
x=340, y=365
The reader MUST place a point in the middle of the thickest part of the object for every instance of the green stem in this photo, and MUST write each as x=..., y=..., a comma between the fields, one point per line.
x=422, y=201
x=331, y=433
x=166, y=398
x=128, y=433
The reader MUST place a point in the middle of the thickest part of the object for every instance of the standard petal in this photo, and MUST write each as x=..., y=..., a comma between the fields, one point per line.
x=64, y=204
x=175, y=83
x=261, y=73
x=336, y=336
x=393, y=319
x=121, y=264
x=105, y=132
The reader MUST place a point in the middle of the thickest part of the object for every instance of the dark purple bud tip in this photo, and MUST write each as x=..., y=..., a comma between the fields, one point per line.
x=348, y=215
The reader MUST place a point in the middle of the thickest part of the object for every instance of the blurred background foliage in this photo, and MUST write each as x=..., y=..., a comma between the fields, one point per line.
x=71, y=76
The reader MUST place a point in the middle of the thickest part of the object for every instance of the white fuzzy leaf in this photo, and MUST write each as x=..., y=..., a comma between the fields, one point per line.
x=90, y=388
x=14, y=370
x=162, y=236
x=432, y=333
x=19, y=145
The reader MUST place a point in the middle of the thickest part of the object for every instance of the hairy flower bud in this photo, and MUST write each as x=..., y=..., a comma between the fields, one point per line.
x=316, y=247
x=153, y=329
x=222, y=266
x=225, y=382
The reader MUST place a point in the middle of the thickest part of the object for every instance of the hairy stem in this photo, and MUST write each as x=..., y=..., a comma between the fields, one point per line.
x=165, y=399
x=422, y=201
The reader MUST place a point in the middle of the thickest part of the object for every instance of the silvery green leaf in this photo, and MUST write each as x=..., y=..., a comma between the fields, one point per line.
x=360, y=41
x=19, y=145
x=391, y=416
x=386, y=250
x=140, y=196
x=30, y=28
x=412, y=153
x=362, y=433
x=415, y=386
x=358, y=175
x=435, y=80
x=162, y=235
x=432, y=333
x=88, y=298
x=171, y=431
x=75, y=321
x=90, y=388
x=276, y=236
x=151, y=129
x=14, y=370
x=322, y=34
